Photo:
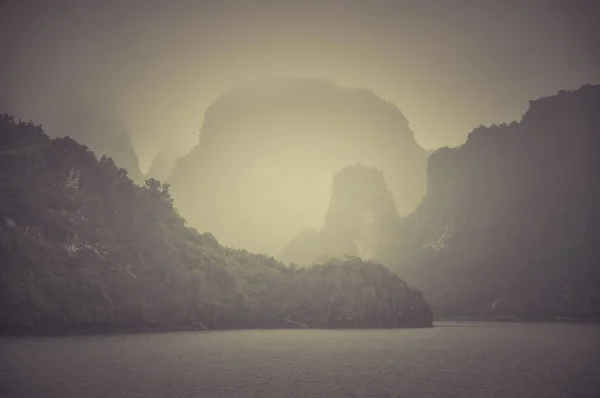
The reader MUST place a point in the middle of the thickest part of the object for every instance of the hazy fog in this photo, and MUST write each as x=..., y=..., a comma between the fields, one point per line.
x=448, y=65
x=269, y=149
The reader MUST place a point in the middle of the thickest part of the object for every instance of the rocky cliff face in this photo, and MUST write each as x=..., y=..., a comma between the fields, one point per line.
x=510, y=222
x=361, y=219
x=268, y=149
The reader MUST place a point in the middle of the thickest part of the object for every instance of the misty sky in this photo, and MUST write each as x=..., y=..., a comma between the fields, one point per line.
x=449, y=65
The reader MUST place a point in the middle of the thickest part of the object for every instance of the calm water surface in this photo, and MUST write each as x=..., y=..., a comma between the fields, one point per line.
x=451, y=360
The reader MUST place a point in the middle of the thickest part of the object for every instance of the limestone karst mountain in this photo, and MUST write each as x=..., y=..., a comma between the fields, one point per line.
x=510, y=223
x=268, y=150
x=509, y=226
x=361, y=219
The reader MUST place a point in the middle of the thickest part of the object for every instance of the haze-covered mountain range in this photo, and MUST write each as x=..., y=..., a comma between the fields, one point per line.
x=83, y=248
x=503, y=226
x=509, y=224
x=267, y=152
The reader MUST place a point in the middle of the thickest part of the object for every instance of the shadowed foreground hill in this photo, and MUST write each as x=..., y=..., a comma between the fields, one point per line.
x=82, y=247
x=510, y=224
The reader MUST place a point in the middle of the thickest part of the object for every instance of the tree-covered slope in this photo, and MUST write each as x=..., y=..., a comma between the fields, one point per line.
x=94, y=122
x=82, y=246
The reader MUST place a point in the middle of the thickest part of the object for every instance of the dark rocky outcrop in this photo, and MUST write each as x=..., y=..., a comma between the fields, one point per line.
x=354, y=293
x=268, y=149
x=510, y=223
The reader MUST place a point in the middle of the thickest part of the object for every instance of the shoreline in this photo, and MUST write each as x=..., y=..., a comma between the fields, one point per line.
x=124, y=330
x=515, y=319
x=107, y=331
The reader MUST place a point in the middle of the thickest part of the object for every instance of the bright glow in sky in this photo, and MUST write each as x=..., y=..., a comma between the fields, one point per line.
x=448, y=65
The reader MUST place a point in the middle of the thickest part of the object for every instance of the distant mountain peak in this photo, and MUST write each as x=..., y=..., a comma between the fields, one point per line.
x=360, y=220
x=256, y=177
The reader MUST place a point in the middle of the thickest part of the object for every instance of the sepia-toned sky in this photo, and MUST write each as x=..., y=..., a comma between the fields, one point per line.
x=449, y=65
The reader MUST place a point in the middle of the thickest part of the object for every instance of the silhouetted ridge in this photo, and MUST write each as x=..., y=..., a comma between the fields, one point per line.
x=510, y=222
x=97, y=125
x=268, y=150
x=84, y=248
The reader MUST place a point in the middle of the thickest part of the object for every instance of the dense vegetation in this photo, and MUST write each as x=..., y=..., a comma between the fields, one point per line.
x=92, y=122
x=82, y=247
x=510, y=224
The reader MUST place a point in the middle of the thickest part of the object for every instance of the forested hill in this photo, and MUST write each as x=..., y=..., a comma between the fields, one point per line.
x=82, y=247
